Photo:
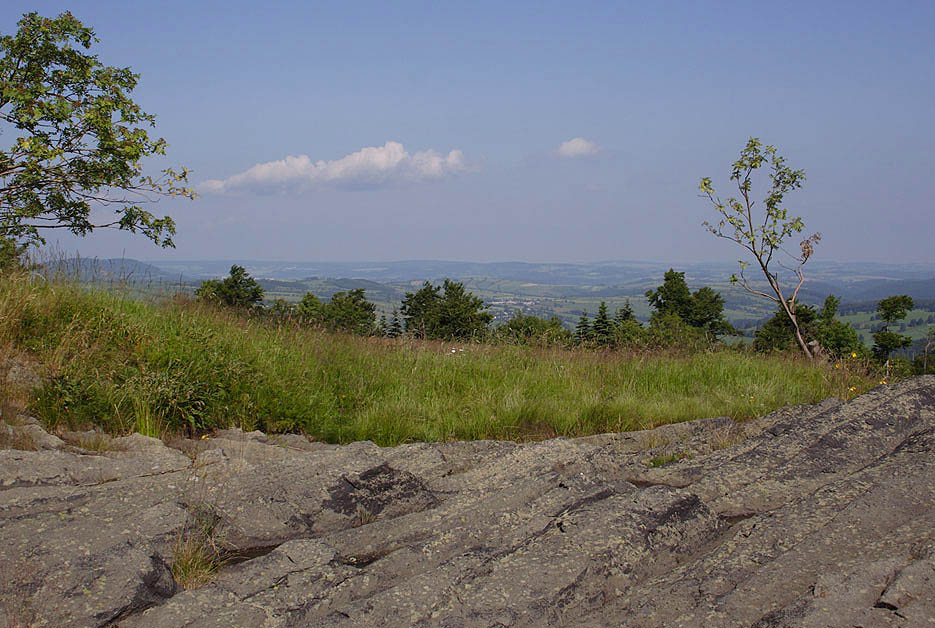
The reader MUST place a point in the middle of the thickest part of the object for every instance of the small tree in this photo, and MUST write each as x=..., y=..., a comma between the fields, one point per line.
x=310, y=308
x=702, y=310
x=624, y=314
x=350, y=312
x=445, y=312
x=763, y=237
x=891, y=309
x=237, y=290
x=833, y=335
x=418, y=309
x=602, y=330
x=529, y=329
x=706, y=312
x=583, y=330
x=395, y=329
x=74, y=138
x=673, y=296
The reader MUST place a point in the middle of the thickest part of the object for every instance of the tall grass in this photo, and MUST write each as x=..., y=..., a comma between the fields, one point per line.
x=125, y=364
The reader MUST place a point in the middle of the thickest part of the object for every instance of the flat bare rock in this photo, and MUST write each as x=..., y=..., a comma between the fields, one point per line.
x=819, y=515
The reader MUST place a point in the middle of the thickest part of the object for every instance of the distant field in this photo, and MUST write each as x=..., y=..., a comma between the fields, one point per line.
x=115, y=361
x=862, y=323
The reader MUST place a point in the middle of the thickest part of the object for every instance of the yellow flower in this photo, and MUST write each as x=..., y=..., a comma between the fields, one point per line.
x=853, y=354
x=838, y=365
x=883, y=382
x=852, y=388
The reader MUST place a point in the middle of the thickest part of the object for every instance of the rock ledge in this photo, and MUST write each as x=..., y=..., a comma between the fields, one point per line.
x=817, y=515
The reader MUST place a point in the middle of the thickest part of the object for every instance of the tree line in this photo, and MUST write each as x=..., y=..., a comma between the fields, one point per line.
x=681, y=318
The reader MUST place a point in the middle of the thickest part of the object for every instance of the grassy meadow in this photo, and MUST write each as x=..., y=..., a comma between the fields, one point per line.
x=169, y=365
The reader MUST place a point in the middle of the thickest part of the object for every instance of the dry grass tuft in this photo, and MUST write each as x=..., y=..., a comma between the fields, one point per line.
x=197, y=554
x=727, y=437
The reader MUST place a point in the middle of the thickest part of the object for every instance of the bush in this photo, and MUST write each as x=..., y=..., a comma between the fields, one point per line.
x=237, y=290
x=446, y=312
x=532, y=330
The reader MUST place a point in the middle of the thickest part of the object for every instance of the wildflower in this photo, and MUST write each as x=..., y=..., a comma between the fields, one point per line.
x=853, y=354
x=204, y=436
x=883, y=382
x=852, y=388
x=837, y=365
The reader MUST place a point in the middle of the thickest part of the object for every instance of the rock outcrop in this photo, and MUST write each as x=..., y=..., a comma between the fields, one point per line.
x=817, y=515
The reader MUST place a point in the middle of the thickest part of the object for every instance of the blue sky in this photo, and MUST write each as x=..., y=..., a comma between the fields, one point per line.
x=435, y=130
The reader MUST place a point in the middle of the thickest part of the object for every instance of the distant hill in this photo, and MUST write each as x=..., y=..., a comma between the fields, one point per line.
x=882, y=288
x=842, y=276
x=112, y=271
x=325, y=288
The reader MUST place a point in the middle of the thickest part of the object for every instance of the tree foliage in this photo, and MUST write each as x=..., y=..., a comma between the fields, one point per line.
x=702, y=310
x=310, y=308
x=419, y=310
x=346, y=311
x=350, y=312
x=395, y=327
x=446, y=312
x=602, y=329
x=624, y=314
x=238, y=289
x=762, y=236
x=74, y=139
x=532, y=330
x=583, y=330
x=891, y=310
x=673, y=296
x=820, y=328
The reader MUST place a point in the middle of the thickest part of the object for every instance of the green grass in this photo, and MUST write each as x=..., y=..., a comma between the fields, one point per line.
x=665, y=459
x=127, y=364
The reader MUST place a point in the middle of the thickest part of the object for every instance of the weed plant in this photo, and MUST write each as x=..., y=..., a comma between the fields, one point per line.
x=196, y=556
x=128, y=364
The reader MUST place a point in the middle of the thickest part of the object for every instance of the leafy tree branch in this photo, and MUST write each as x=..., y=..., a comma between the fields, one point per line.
x=75, y=139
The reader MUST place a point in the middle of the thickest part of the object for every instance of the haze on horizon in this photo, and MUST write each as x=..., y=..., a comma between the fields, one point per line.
x=541, y=132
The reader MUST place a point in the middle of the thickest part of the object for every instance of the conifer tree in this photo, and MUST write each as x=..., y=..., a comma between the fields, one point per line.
x=396, y=328
x=602, y=329
x=445, y=312
x=583, y=329
x=624, y=314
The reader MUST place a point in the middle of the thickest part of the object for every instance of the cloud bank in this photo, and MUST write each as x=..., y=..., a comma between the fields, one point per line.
x=577, y=147
x=371, y=166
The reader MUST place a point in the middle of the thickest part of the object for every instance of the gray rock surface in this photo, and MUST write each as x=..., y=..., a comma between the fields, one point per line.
x=817, y=515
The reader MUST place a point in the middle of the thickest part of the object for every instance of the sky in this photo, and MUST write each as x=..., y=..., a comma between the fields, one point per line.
x=546, y=131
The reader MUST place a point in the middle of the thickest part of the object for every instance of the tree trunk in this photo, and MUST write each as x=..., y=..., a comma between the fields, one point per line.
x=801, y=340
x=795, y=324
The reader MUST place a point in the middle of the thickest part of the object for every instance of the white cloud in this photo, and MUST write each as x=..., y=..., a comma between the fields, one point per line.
x=368, y=167
x=577, y=147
